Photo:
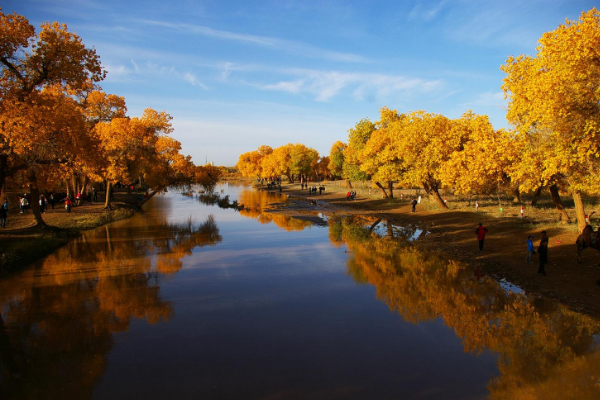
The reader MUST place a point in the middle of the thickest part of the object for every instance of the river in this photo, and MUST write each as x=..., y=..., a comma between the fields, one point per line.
x=198, y=299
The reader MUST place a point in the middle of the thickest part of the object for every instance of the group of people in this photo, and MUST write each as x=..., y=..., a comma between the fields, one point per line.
x=351, y=195
x=45, y=201
x=542, y=250
x=313, y=189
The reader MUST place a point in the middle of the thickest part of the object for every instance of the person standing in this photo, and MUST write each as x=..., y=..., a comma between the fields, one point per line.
x=3, y=213
x=530, y=250
x=68, y=204
x=23, y=203
x=480, y=232
x=413, y=203
x=543, y=252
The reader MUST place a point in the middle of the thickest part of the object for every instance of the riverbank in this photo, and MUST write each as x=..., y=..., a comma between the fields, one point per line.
x=452, y=233
x=21, y=243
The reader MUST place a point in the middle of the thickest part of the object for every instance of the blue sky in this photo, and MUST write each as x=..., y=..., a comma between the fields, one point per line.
x=239, y=74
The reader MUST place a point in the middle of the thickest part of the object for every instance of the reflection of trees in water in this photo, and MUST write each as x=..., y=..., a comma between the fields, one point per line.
x=255, y=202
x=57, y=320
x=543, y=352
x=215, y=199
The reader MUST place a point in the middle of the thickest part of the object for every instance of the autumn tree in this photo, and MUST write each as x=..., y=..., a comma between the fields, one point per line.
x=357, y=139
x=322, y=168
x=482, y=164
x=28, y=64
x=134, y=147
x=554, y=98
x=336, y=159
x=278, y=162
x=207, y=176
x=424, y=142
x=250, y=164
x=379, y=157
x=303, y=161
x=48, y=138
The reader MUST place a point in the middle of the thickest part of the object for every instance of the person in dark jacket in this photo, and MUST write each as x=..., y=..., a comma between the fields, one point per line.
x=543, y=253
x=480, y=232
x=3, y=213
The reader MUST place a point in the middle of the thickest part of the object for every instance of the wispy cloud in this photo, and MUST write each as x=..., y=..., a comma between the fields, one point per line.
x=274, y=43
x=324, y=85
x=135, y=72
x=426, y=13
x=191, y=78
x=488, y=99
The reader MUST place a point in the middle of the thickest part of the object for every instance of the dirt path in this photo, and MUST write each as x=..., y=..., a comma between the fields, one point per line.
x=453, y=232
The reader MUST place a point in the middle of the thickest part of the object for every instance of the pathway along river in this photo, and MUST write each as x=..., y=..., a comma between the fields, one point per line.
x=195, y=301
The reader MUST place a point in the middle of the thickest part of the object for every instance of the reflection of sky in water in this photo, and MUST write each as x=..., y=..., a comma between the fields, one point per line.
x=411, y=233
x=510, y=287
x=268, y=311
x=262, y=312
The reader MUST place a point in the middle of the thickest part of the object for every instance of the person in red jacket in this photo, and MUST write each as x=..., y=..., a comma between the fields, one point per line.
x=480, y=232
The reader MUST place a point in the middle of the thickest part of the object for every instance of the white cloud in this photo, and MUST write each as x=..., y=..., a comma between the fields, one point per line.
x=135, y=66
x=116, y=71
x=191, y=78
x=226, y=69
x=324, y=85
x=488, y=99
x=294, y=47
x=427, y=14
x=149, y=70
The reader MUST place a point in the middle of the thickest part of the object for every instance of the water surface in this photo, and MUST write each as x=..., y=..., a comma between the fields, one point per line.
x=189, y=300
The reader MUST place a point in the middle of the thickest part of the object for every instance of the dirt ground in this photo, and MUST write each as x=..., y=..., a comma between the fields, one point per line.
x=453, y=233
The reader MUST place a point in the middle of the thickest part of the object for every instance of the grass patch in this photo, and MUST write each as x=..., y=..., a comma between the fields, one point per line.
x=85, y=221
x=22, y=248
x=19, y=252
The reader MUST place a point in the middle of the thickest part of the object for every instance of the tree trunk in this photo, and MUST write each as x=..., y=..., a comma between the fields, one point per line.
x=516, y=195
x=374, y=225
x=348, y=184
x=391, y=189
x=84, y=187
x=3, y=168
x=74, y=184
x=151, y=195
x=562, y=213
x=536, y=195
x=108, y=195
x=579, y=211
x=438, y=198
x=432, y=188
x=69, y=194
x=380, y=186
x=390, y=229
x=35, y=201
x=426, y=188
